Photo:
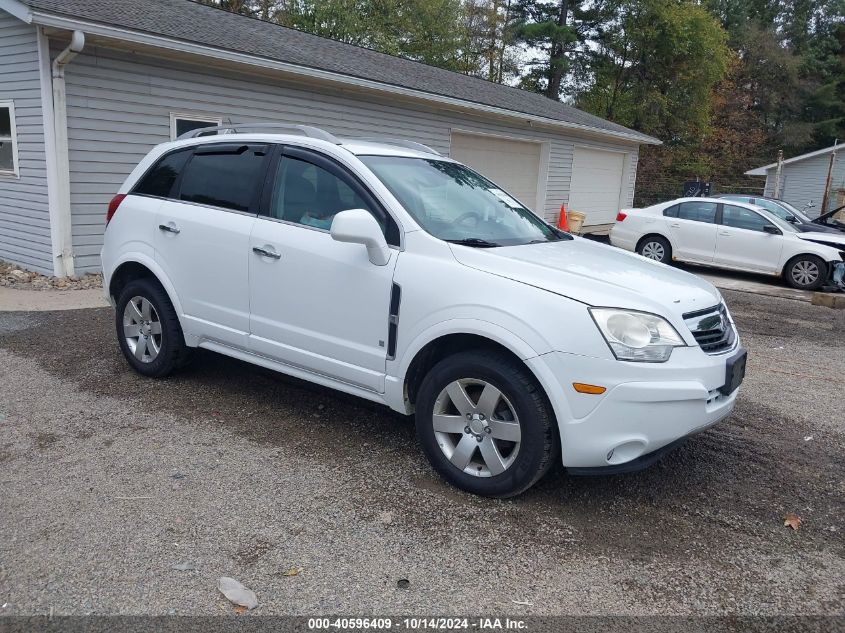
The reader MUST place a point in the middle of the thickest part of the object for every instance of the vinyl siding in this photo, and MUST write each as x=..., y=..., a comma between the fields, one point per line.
x=119, y=107
x=24, y=211
x=803, y=181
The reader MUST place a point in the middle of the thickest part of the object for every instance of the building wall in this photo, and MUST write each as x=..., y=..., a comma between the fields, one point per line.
x=119, y=107
x=804, y=181
x=24, y=211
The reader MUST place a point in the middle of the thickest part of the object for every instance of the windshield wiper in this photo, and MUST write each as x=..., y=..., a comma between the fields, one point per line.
x=475, y=242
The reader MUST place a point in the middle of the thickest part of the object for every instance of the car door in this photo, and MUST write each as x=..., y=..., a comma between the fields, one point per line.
x=202, y=238
x=318, y=304
x=693, y=231
x=743, y=243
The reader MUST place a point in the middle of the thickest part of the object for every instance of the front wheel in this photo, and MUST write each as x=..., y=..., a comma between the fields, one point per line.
x=806, y=272
x=485, y=424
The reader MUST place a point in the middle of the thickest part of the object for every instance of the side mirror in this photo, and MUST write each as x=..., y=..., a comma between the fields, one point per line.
x=358, y=226
x=771, y=229
x=792, y=219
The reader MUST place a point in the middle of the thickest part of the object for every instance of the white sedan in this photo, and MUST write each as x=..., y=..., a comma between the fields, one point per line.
x=729, y=234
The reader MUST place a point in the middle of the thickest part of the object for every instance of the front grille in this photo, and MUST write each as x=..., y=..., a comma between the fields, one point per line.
x=712, y=329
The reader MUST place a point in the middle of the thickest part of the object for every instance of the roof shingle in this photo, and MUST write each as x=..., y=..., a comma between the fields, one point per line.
x=188, y=21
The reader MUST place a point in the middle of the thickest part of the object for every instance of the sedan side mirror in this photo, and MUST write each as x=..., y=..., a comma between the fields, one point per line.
x=358, y=226
x=771, y=229
x=792, y=219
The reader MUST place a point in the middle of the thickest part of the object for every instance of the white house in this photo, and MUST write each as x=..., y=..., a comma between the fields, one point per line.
x=803, y=178
x=87, y=87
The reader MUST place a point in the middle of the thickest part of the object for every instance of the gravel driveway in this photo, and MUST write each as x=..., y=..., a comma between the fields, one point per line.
x=109, y=480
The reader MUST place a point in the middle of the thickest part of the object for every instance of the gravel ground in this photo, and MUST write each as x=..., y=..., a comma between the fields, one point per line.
x=107, y=480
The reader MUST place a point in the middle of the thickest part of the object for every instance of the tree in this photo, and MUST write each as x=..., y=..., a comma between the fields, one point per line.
x=656, y=68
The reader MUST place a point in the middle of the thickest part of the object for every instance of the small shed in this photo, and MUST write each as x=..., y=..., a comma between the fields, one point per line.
x=803, y=179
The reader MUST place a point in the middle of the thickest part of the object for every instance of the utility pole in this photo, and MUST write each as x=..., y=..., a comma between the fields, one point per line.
x=778, y=174
x=829, y=179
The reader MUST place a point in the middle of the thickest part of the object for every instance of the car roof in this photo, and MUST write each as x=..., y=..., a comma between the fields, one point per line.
x=358, y=147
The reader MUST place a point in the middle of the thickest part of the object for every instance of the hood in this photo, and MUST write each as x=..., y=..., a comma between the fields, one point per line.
x=835, y=240
x=595, y=274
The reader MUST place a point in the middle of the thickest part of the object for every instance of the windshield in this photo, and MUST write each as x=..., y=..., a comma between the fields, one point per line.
x=455, y=204
x=781, y=209
x=787, y=227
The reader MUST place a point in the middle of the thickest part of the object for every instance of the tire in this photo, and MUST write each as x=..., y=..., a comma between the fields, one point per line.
x=164, y=350
x=655, y=248
x=524, y=451
x=806, y=272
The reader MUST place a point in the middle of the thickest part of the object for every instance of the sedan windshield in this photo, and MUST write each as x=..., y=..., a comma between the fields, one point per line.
x=455, y=204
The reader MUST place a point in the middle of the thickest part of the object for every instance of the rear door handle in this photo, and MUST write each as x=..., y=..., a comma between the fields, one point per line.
x=264, y=252
x=169, y=228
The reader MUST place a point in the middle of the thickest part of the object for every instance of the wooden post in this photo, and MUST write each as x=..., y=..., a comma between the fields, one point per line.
x=829, y=179
x=778, y=174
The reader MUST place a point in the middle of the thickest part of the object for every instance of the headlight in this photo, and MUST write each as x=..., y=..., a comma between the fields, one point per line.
x=637, y=336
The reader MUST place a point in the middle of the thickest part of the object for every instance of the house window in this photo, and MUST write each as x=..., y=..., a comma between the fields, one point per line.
x=8, y=140
x=181, y=123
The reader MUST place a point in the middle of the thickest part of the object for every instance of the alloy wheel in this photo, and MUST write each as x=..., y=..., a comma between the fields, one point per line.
x=654, y=250
x=476, y=427
x=805, y=272
x=142, y=329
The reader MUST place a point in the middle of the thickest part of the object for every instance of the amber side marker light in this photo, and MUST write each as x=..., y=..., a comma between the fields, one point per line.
x=580, y=387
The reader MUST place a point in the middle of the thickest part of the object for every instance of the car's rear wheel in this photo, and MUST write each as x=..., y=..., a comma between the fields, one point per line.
x=656, y=248
x=806, y=272
x=485, y=423
x=148, y=329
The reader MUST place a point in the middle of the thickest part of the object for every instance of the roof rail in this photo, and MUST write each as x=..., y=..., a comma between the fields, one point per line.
x=400, y=143
x=234, y=128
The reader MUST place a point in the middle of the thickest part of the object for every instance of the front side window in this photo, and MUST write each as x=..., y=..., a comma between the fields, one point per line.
x=8, y=140
x=455, y=204
x=182, y=123
x=697, y=211
x=159, y=180
x=741, y=218
x=227, y=176
x=307, y=194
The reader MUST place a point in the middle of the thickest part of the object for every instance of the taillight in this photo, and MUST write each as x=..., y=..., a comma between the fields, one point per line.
x=113, y=205
x=620, y=216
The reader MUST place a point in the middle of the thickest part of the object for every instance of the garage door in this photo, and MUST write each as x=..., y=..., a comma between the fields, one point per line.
x=596, y=184
x=513, y=165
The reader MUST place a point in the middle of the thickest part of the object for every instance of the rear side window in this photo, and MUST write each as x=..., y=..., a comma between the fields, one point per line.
x=697, y=211
x=159, y=180
x=227, y=176
x=671, y=212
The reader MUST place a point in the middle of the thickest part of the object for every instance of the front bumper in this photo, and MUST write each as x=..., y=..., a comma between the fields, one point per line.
x=645, y=408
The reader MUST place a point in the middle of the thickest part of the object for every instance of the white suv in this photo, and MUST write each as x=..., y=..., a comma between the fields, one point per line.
x=387, y=271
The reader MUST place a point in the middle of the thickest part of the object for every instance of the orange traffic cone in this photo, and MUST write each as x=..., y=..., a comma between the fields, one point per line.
x=563, y=222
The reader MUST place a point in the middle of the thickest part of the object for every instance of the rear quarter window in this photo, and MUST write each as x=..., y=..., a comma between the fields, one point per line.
x=671, y=212
x=160, y=178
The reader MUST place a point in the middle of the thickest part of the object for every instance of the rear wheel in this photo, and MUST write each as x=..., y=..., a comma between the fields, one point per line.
x=806, y=272
x=656, y=248
x=148, y=329
x=485, y=424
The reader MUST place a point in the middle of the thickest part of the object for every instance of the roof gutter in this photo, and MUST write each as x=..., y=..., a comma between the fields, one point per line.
x=117, y=33
x=60, y=218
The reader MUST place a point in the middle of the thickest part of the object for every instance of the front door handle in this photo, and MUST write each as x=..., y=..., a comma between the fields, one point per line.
x=169, y=228
x=675, y=225
x=264, y=252
x=725, y=233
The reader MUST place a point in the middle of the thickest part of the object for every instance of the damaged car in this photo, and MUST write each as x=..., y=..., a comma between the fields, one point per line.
x=735, y=236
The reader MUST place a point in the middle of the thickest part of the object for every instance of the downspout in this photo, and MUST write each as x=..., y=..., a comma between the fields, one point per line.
x=64, y=231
